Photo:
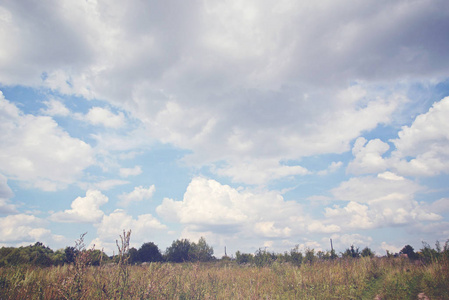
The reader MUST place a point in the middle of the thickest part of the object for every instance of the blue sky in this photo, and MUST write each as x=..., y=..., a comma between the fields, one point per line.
x=254, y=124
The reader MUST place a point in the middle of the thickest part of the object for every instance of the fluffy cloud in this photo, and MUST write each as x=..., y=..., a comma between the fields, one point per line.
x=126, y=172
x=35, y=149
x=426, y=141
x=209, y=206
x=5, y=193
x=368, y=156
x=344, y=241
x=103, y=185
x=138, y=194
x=243, y=58
x=23, y=228
x=111, y=226
x=259, y=171
x=84, y=209
x=103, y=116
x=55, y=108
x=421, y=148
x=379, y=201
x=333, y=167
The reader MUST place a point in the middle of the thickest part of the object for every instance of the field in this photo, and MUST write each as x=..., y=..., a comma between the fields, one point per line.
x=362, y=278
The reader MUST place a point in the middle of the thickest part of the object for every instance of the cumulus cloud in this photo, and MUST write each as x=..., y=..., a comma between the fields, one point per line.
x=138, y=194
x=55, y=108
x=36, y=150
x=333, y=167
x=103, y=185
x=317, y=226
x=422, y=148
x=126, y=172
x=390, y=248
x=343, y=241
x=368, y=156
x=83, y=209
x=23, y=228
x=209, y=206
x=103, y=116
x=6, y=207
x=143, y=228
x=259, y=171
x=374, y=202
x=261, y=78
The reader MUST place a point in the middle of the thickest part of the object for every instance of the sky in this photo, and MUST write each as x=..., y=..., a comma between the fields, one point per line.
x=255, y=124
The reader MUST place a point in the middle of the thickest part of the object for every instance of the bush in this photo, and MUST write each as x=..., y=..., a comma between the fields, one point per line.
x=149, y=252
x=244, y=258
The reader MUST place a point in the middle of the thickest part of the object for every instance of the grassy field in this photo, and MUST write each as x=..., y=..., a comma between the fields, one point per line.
x=363, y=278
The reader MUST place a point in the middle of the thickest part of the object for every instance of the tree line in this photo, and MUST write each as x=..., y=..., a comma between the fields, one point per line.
x=183, y=250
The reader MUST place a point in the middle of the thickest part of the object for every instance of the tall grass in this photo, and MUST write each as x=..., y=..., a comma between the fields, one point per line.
x=363, y=278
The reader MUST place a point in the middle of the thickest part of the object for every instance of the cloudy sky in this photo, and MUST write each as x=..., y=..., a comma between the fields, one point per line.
x=251, y=123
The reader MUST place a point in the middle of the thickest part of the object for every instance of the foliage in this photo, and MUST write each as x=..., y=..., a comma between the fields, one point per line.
x=244, y=258
x=264, y=258
x=409, y=251
x=178, y=251
x=201, y=251
x=351, y=252
x=149, y=252
x=367, y=252
x=186, y=251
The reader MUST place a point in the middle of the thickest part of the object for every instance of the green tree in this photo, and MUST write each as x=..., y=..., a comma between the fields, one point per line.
x=243, y=258
x=201, y=251
x=352, y=252
x=310, y=255
x=428, y=254
x=133, y=256
x=296, y=256
x=149, y=252
x=70, y=253
x=178, y=251
x=366, y=252
x=409, y=251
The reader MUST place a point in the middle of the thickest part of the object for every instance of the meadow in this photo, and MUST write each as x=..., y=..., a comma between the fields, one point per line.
x=341, y=278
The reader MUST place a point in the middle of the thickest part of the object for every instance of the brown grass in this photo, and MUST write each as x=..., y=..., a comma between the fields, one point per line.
x=363, y=278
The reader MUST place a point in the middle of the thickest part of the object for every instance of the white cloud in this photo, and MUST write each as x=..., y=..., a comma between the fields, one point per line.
x=422, y=148
x=5, y=190
x=374, y=202
x=6, y=207
x=23, y=228
x=126, y=172
x=138, y=194
x=55, y=108
x=209, y=206
x=391, y=248
x=103, y=185
x=440, y=206
x=344, y=241
x=317, y=226
x=103, y=116
x=36, y=150
x=368, y=156
x=259, y=171
x=83, y=209
x=143, y=228
x=266, y=93
x=333, y=167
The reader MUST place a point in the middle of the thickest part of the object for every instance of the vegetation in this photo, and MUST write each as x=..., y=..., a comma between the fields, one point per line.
x=36, y=272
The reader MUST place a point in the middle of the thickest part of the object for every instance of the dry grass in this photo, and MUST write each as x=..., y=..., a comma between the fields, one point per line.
x=363, y=278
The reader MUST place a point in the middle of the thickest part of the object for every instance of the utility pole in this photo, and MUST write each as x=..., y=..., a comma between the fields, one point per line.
x=332, y=248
